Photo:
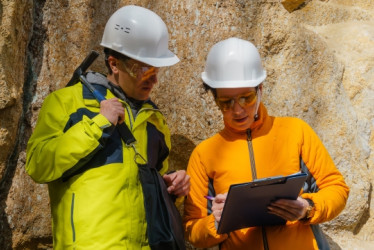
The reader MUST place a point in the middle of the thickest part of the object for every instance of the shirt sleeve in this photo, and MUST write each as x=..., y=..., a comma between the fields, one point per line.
x=327, y=188
x=50, y=150
x=199, y=224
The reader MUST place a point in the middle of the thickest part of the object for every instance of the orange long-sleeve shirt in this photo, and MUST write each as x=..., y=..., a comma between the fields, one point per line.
x=282, y=146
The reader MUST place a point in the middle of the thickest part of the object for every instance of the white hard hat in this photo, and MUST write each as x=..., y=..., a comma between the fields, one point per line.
x=233, y=63
x=139, y=34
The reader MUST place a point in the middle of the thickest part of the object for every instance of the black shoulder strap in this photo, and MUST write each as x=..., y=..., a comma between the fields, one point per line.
x=126, y=134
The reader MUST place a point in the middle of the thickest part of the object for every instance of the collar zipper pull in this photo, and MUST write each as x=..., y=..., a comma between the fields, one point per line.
x=249, y=136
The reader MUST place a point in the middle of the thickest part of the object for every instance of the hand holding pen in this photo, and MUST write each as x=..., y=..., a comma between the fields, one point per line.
x=218, y=203
x=211, y=198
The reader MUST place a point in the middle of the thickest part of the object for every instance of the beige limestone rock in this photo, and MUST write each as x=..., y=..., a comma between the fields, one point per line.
x=15, y=34
x=319, y=60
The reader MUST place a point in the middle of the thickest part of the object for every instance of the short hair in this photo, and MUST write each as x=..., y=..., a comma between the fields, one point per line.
x=115, y=54
x=207, y=88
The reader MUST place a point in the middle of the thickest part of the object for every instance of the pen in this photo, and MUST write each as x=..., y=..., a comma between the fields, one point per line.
x=209, y=197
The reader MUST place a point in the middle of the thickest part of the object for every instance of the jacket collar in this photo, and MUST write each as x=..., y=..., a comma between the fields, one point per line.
x=258, y=127
x=100, y=79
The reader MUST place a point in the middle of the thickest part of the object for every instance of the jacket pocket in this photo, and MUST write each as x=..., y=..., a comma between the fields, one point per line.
x=72, y=216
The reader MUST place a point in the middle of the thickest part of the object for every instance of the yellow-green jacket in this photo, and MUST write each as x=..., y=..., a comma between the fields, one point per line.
x=101, y=207
x=282, y=146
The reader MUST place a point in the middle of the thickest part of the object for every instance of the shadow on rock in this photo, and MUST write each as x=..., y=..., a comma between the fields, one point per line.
x=181, y=149
x=333, y=245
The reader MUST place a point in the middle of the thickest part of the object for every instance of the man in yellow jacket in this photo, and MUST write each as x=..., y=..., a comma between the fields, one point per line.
x=95, y=193
x=255, y=145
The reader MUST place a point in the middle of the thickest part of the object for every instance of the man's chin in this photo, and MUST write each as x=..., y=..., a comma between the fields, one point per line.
x=143, y=97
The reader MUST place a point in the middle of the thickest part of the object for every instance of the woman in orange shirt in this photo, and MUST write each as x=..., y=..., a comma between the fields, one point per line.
x=255, y=145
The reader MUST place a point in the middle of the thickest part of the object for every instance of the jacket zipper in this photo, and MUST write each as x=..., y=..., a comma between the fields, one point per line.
x=251, y=155
x=144, y=109
x=132, y=118
x=129, y=113
x=254, y=177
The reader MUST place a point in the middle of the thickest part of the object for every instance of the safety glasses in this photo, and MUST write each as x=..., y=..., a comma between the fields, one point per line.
x=244, y=100
x=140, y=72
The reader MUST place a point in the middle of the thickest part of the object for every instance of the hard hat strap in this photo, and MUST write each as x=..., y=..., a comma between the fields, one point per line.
x=257, y=102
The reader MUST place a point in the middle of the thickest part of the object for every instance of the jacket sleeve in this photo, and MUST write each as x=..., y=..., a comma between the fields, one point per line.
x=327, y=188
x=199, y=223
x=51, y=150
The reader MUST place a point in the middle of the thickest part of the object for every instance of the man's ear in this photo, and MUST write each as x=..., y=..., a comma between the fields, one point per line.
x=113, y=64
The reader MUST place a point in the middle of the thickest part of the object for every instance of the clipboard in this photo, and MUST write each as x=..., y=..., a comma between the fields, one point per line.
x=246, y=203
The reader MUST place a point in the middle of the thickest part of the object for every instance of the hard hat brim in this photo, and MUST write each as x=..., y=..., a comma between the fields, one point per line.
x=167, y=60
x=232, y=83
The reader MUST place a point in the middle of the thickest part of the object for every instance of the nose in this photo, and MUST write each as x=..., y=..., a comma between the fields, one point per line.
x=149, y=79
x=237, y=108
x=153, y=79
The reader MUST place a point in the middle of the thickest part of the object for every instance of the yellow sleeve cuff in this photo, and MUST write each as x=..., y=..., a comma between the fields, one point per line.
x=101, y=121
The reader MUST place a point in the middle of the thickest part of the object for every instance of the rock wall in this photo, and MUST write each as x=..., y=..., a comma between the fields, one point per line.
x=319, y=56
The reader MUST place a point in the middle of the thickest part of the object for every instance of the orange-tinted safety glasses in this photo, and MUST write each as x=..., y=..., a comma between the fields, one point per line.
x=143, y=72
x=244, y=100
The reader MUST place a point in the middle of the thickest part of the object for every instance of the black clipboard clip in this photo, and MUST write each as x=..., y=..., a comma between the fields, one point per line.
x=268, y=181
